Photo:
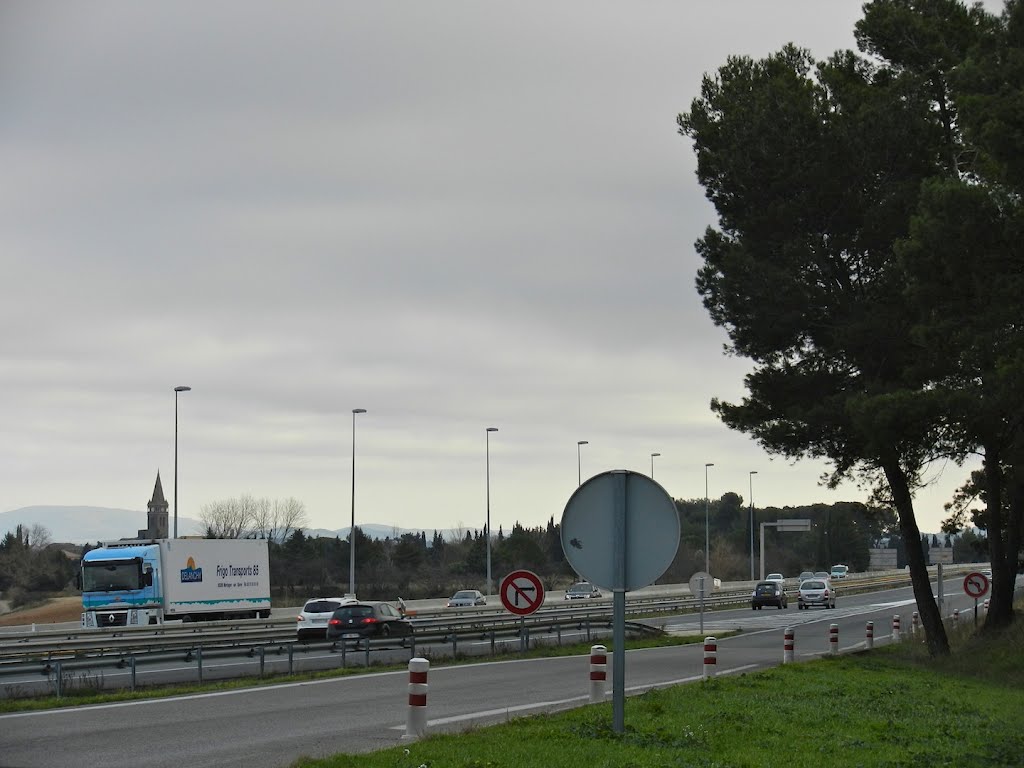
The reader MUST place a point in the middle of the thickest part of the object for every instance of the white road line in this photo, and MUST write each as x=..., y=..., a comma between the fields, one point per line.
x=562, y=702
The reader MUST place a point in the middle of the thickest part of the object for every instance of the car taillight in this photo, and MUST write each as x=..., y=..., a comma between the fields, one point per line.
x=369, y=620
x=300, y=618
x=826, y=593
x=334, y=622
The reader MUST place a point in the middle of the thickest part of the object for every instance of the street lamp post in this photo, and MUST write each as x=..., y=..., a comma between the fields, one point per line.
x=487, y=439
x=579, y=465
x=176, y=391
x=352, y=526
x=652, y=464
x=752, y=473
x=707, y=527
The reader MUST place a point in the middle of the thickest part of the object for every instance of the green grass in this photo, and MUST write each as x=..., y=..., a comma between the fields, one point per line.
x=82, y=690
x=892, y=707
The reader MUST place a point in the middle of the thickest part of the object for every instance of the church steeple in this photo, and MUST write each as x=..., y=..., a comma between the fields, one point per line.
x=156, y=517
x=158, y=491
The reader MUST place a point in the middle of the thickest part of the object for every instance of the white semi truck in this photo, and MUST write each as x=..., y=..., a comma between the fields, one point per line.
x=128, y=583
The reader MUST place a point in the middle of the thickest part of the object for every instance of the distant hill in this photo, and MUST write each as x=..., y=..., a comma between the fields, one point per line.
x=86, y=525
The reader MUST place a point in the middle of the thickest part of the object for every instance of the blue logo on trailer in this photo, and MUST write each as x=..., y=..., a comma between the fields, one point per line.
x=191, y=574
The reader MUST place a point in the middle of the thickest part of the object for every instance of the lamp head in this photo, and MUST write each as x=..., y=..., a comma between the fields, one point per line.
x=358, y=410
x=183, y=389
x=492, y=429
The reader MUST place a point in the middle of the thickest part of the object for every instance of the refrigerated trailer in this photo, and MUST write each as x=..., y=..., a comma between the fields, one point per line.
x=128, y=583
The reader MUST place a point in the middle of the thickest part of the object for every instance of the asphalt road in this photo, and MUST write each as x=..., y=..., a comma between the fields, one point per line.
x=272, y=726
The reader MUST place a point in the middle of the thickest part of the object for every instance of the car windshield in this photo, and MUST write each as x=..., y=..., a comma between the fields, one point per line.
x=464, y=595
x=109, y=576
x=813, y=585
x=582, y=587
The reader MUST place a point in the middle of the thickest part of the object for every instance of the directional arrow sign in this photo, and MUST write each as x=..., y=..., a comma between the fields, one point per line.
x=976, y=584
x=521, y=592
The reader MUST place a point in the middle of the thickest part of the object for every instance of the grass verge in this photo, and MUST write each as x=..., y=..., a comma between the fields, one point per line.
x=893, y=707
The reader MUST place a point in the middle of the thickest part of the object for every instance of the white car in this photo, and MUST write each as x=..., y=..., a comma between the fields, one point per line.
x=312, y=619
x=776, y=577
x=467, y=598
x=839, y=571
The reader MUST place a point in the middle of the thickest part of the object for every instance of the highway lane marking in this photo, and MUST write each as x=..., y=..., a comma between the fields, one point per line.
x=563, y=702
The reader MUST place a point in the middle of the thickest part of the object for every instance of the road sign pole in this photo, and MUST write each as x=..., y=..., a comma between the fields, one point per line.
x=702, y=605
x=619, y=609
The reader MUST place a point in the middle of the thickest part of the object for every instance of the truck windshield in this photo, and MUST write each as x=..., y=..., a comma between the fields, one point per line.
x=111, y=576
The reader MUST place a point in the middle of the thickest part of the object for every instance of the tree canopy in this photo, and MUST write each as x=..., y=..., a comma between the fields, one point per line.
x=866, y=257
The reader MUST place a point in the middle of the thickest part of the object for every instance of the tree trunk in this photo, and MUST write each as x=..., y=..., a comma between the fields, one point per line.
x=1004, y=562
x=931, y=620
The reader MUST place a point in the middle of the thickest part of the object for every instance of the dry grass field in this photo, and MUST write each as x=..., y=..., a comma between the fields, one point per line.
x=56, y=611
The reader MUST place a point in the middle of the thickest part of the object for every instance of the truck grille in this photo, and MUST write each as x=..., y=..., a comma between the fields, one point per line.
x=111, y=618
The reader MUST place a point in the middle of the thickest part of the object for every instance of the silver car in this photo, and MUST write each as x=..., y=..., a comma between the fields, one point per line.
x=816, y=592
x=467, y=598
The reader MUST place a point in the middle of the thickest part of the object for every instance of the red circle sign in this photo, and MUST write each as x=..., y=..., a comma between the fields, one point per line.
x=975, y=584
x=521, y=592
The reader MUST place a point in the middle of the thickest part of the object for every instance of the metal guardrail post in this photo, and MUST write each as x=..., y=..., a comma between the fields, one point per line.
x=199, y=662
x=262, y=660
x=131, y=664
x=60, y=679
x=291, y=658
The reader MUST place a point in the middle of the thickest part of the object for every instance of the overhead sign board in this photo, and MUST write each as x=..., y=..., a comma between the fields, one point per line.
x=521, y=592
x=976, y=585
x=796, y=524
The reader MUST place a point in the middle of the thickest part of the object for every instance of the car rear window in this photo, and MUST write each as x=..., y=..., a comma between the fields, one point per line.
x=766, y=589
x=321, y=606
x=814, y=585
x=354, y=611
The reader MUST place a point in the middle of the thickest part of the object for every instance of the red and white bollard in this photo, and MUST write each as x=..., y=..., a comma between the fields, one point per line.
x=896, y=628
x=833, y=639
x=710, y=656
x=956, y=617
x=870, y=635
x=984, y=607
x=598, y=673
x=787, y=646
x=416, y=720
x=915, y=623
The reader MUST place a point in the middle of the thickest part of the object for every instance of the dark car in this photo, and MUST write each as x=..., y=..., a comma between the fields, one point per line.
x=768, y=593
x=358, y=620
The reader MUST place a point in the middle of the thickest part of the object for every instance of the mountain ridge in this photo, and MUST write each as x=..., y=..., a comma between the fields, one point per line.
x=88, y=524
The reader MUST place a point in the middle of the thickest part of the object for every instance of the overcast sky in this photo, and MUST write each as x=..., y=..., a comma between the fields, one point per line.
x=455, y=215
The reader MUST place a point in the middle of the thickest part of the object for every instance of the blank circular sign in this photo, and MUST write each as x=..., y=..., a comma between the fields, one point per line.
x=591, y=527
